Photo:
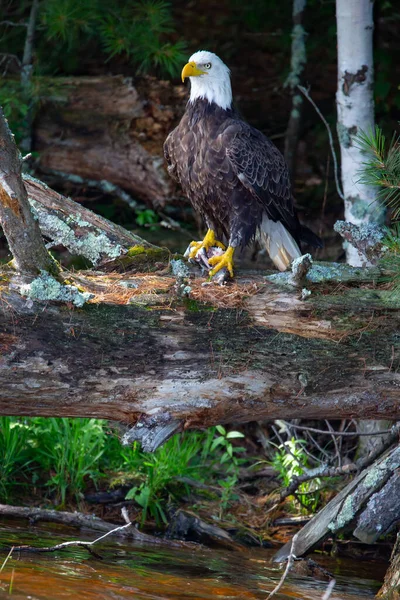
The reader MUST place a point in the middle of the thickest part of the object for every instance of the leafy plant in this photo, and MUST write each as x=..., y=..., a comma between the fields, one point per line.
x=162, y=472
x=139, y=31
x=382, y=170
x=231, y=461
x=229, y=454
x=147, y=218
x=390, y=261
x=290, y=461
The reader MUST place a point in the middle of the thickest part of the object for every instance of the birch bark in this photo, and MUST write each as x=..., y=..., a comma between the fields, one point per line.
x=355, y=107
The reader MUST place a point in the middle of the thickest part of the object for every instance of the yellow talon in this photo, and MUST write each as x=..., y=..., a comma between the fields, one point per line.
x=208, y=242
x=224, y=260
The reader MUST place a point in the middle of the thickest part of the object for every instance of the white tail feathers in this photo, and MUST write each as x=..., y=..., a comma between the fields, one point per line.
x=280, y=245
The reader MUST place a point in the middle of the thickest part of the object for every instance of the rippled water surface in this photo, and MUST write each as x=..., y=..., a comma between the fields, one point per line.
x=128, y=570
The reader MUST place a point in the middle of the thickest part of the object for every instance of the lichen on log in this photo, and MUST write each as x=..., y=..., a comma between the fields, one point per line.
x=79, y=230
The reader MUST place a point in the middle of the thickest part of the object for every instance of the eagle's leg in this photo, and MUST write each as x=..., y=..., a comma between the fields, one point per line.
x=208, y=242
x=224, y=260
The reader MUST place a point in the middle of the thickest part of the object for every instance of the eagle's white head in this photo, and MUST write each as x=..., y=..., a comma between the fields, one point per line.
x=209, y=79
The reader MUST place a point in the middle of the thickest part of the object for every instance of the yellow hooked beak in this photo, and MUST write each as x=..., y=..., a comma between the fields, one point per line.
x=191, y=70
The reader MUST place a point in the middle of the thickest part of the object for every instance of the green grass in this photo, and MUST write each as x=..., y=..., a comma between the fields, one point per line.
x=14, y=455
x=61, y=458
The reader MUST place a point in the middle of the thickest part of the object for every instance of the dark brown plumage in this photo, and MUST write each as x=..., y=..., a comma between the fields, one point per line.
x=234, y=176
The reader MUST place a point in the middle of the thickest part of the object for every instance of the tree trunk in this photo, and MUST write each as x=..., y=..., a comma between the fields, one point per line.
x=26, y=78
x=20, y=228
x=298, y=61
x=355, y=108
x=109, y=128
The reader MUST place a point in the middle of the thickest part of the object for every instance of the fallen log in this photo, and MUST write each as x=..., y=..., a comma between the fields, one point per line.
x=249, y=350
x=82, y=521
x=109, y=128
x=391, y=586
x=367, y=506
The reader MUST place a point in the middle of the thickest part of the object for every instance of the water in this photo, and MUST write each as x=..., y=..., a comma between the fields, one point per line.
x=128, y=570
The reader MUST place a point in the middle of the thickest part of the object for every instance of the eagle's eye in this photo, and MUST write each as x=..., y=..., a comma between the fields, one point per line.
x=208, y=65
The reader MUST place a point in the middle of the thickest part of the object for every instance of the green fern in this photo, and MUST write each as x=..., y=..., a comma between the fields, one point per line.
x=382, y=167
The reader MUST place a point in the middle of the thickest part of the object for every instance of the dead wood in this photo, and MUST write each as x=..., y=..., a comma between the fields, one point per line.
x=170, y=360
x=391, y=586
x=242, y=352
x=79, y=520
x=111, y=128
x=16, y=219
x=369, y=494
x=79, y=230
x=384, y=442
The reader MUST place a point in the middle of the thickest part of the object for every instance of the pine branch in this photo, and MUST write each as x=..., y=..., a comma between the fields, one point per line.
x=382, y=167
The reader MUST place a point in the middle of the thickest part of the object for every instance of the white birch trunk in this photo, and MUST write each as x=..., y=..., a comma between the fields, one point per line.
x=355, y=107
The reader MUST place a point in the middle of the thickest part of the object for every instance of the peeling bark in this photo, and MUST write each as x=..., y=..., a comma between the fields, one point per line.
x=366, y=497
x=355, y=108
x=215, y=357
x=108, y=128
x=19, y=226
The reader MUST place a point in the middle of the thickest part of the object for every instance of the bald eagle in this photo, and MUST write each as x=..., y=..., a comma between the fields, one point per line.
x=234, y=176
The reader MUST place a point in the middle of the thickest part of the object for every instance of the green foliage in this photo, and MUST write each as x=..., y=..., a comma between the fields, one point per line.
x=391, y=259
x=231, y=460
x=290, y=461
x=183, y=456
x=15, y=107
x=147, y=218
x=140, y=31
x=13, y=454
x=229, y=451
x=70, y=450
x=381, y=168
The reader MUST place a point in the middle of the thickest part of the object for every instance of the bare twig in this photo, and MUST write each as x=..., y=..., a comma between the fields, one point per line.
x=79, y=543
x=332, y=432
x=335, y=162
x=289, y=564
x=6, y=558
x=12, y=24
x=336, y=433
x=325, y=471
x=6, y=59
x=329, y=590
